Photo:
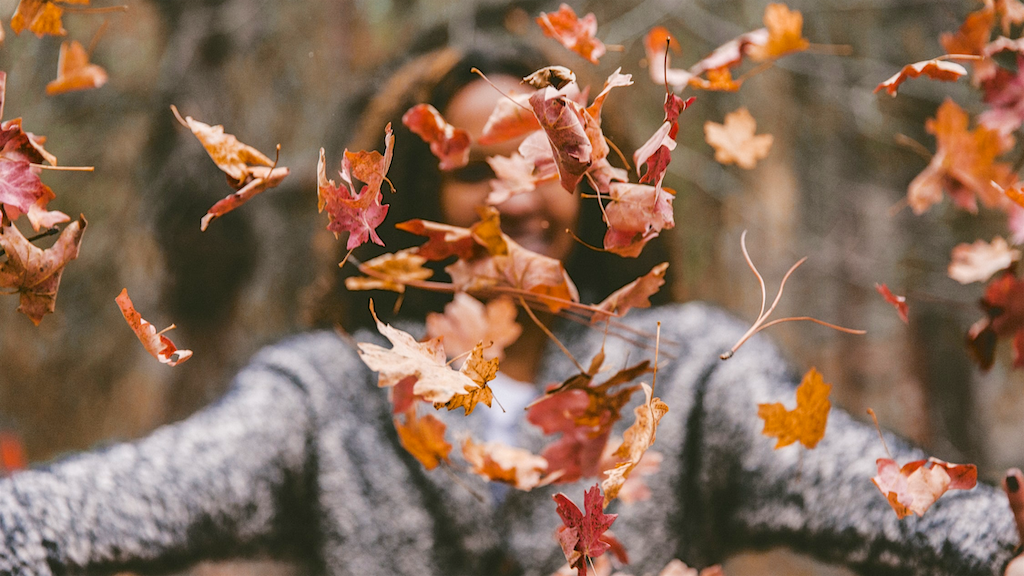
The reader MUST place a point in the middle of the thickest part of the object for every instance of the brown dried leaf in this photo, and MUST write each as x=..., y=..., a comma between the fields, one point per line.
x=500, y=463
x=467, y=321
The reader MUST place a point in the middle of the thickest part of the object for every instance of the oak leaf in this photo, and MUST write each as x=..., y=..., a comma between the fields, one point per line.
x=467, y=321
x=154, y=342
x=423, y=437
x=806, y=422
x=964, y=164
x=979, y=261
x=35, y=273
x=635, y=441
x=917, y=485
x=397, y=269
x=934, y=69
x=576, y=34
x=449, y=144
x=734, y=141
x=556, y=77
x=500, y=463
x=261, y=178
x=580, y=533
x=897, y=302
x=74, y=72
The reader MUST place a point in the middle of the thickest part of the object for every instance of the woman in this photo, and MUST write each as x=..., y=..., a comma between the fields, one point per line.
x=301, y=455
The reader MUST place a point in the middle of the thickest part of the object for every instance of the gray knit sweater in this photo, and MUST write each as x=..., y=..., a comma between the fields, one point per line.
x=302, y=456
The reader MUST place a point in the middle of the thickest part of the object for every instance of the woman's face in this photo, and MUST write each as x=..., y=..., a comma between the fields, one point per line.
x=536, y=220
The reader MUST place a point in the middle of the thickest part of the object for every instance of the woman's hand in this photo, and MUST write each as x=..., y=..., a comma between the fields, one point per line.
x=1013, y=484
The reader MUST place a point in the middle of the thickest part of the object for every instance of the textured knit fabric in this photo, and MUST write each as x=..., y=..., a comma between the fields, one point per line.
x=302, y=454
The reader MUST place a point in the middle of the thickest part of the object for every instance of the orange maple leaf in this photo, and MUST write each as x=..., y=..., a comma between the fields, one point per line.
x=74, y=72
x=635, y=441
x=154, y=342
x=41, y=17
x=576, y=34
x=449, y=144
x=964, y=164
x=423, y=437
x=735, y=142
x=917, y=485
x=508, y=464
x=806, y=422
x=636, y=294
x=785, y=33
x=392, y=272
x=35, y=273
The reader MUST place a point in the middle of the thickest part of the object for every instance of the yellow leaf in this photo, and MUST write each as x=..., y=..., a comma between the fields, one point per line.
x=805, y=423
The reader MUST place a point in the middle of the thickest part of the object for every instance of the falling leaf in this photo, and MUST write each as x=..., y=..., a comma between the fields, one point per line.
x=480, y=371
x=154, y=342
x=423, y=437
x=581, y=534
x=734, y=141
x=249, y=171
x=964, y=164
x=1003, y=304
x=655, y=154
x=973, y=35
x=979, y=261
x=426, y=361
x=20, y=186
x=576, y=34
x=718, y=80
x=897, y=302
x=934, y=69
x=1011, y=13
x=636, y=214
x=917, y=485
x=230, y=155
x=511, y=118
x=500, y=463
x=262, y=178
x=556, y=77
x=656, y=45
x=467, y=321
x=358, y=213
x=35, y=273
x=397, y=269
x=785, y=33
x=74, y=72
x=635, y=441
x=448, y=143
x=41, y=17
x=806, y=422
x=636, y=294
x=584, y=414
x=443, y=240
x=563, y=124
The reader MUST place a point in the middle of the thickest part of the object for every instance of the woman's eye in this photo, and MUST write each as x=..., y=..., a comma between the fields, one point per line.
x=475, y=171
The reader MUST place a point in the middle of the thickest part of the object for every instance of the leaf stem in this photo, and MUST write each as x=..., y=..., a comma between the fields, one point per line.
x=551, y=335
x=879, y=429
x=63, y=168
x=43, y=234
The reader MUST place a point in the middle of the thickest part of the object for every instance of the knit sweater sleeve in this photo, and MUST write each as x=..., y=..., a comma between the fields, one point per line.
x=746, y=494
x=219, y=482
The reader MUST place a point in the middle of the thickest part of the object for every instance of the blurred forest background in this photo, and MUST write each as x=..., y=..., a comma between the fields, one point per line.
x=282, y=72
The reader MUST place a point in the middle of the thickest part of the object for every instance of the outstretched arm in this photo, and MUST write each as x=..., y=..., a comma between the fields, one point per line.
x=225, y=479
x=822, y=500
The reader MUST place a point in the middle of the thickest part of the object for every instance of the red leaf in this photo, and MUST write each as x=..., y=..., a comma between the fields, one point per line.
x=1003, y=304
x=636, y=214
x=562, y=122
x=917, y=485
x=35, y=273
x=360, y=213
x=580, y=535
x=154, y=342
x=511, y=118
x=655, y=153
x=898, y=302
x=448, y=143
